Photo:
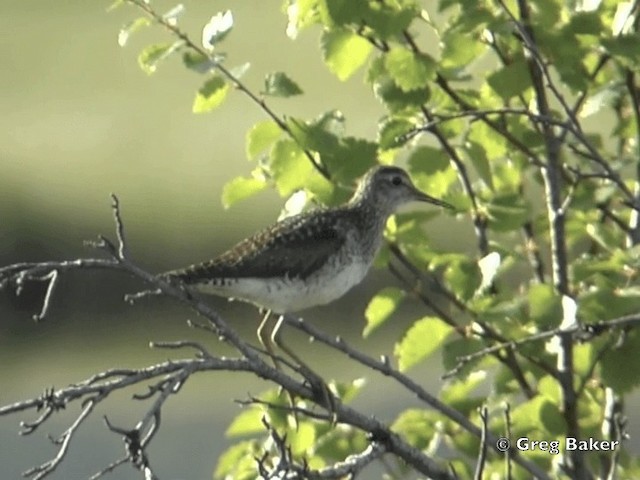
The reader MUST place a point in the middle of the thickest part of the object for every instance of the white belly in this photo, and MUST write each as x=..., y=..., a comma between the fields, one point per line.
x=291, y=295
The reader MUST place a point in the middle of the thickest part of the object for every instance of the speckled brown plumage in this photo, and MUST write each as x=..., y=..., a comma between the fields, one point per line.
x=294, y=247
x=312, y=258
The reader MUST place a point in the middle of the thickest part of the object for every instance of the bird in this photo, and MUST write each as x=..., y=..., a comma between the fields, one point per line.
x=308, y=259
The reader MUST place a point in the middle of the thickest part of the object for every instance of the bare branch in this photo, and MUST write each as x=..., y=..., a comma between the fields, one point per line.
x=53, y=280
x=385, y=368
x=507, y=458
x=482, y=454
x=46, y=468
x=122, y=246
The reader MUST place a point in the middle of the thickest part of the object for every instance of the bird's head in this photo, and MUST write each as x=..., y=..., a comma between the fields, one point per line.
x=386, y=188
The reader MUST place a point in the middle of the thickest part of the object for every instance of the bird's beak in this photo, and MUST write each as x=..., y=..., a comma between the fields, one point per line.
x=423, y=197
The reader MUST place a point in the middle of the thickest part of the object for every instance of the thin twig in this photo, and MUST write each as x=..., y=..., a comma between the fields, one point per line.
x=233, y=79
x=507, y=458
x=385, y=368
x=53, y=281
x=482, y=454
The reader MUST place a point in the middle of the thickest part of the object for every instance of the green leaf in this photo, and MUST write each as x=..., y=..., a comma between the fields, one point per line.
x=416, y=426
x=197, y=62
x=585, y=23
x=347, y=391
x=409, y=70
x=510, y=80
x=316, y=135
x=249, y=421
x=343, y=51
x=507, y=212
x=420, y=341
x=459, y=393
x=211, y=95
x=625, y=48
x=278, y=84
x=494, y=144
x=464, y=277
x=240, y=188
x=620, y=366
x=392, y=96
x=352, y=158
x=392, y=132
x=461, y=347
x=261, y=136
x=302, y=439
x=480, y=162
x=545, y=306
x=238, y=461
x=154, y=54
x=345, y=157
x=290, y=167
x=127, y=30
x=385, y=19
x=216, y=29
x=459, y=50
x=338, y=444
x=381, y=307
x=431, y=170
x=537, y=415
x=301, y=16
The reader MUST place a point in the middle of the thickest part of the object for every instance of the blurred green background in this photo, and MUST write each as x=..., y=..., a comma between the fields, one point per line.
x=80, y=120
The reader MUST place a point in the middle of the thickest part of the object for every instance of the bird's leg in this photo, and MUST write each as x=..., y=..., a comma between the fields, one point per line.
x=314, y=379
x=265, y=335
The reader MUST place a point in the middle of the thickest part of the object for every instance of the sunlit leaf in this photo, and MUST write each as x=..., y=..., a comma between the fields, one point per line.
x=261, y=136
x=420, y=341
x=302, y=438
x=240, y=188
x=127, y=30
x=381, y=307
x=238, y=462
x=344, y=52
x=350, y=390
x=211, y=95
x=599, y=100
x=246, y=422
x=216, y=29
x=409, y=70
x=154, y=54
x=488, y=265
x=290, y=167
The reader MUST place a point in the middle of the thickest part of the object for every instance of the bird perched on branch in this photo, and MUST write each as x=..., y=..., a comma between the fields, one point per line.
x=308, y=259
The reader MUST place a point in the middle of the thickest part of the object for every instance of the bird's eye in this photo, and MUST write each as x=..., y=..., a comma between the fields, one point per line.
x=396, y=180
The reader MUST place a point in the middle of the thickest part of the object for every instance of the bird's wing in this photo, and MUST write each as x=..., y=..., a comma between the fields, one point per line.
x=294, y=247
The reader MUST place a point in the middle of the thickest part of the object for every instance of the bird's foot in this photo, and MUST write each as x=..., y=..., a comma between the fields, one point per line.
x=322, y=392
